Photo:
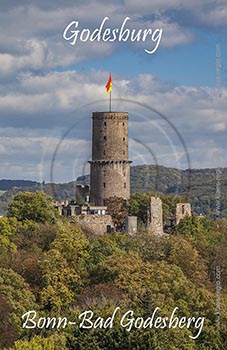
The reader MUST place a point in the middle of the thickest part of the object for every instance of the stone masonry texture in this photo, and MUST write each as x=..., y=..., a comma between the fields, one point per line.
x=182, y=210
x=155, y=216
x=110, y=167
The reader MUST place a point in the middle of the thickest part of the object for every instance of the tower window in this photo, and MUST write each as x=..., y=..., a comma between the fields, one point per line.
x=123, y=138
x=104, y=184
x=104, y=137
x=123, y=124
x=104, y=123
x=124, y=184
x=183, y=209
x=104, y=152
x=123, y=152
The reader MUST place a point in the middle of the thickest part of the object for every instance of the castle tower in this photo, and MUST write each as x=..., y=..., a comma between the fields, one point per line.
x=109, y=167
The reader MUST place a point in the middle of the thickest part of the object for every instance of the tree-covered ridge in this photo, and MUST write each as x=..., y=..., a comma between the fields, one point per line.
x=200, y=185
x=52, y=267
x=6, y=185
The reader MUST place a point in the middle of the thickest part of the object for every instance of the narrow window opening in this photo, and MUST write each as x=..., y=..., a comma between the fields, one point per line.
x=124, y=184
x=104, y=137
x=104, y=184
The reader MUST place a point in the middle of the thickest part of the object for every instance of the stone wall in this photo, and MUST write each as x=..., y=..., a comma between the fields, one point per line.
x=155, y=216
x=109, y=178
x=131, y=225
x=82, y=192
x=182, y=210
x=95, y=224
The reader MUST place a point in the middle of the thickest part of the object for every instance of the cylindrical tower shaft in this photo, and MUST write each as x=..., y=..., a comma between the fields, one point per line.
x=110, y=167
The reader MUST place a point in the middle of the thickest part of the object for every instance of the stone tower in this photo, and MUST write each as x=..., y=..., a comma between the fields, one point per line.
x=109, y=167
x=182, y=210
x=155, y=216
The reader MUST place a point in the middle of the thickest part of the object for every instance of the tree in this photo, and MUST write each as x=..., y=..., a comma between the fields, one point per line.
x=54, y=342
x=114, y=244
x=72, y=243
x=32, y=240
x=117, y=208
x=139, y=203
x=36, y=206
x=150, y=247
x=184, y=255
x=8, y=228
x=64, y=267
x=17, y=295
x=61, y=283
x=193, y=225
x=7, y=330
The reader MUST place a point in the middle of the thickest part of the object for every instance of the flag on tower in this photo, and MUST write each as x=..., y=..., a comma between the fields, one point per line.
x=109, y=84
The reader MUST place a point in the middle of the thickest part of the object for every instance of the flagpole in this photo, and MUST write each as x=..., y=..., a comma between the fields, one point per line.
x=108, y=90
x=110, y=102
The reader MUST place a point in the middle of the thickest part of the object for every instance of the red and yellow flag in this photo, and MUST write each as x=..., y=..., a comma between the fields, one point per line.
x=109, y=84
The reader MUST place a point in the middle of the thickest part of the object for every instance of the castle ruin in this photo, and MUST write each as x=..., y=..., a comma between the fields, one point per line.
x=182, y=210
x=110, y=177
x=155, y=216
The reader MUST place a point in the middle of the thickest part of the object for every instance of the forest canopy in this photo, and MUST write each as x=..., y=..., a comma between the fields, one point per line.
x=48, y=264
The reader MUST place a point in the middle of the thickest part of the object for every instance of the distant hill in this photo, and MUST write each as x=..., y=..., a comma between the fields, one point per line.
x=201, y=186
x=6, y=185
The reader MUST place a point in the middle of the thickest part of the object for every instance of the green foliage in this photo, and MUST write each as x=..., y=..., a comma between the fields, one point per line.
x=32, y=241
x=56, y=269
x=117, y=208
x=17, y=295
x=8, y=228
x=7, y=329
x=61, y=283
x=149, y=246
x=54, y=342
x=66, y=261
x=119, y=338
x=192, y=225
x=36, y=206
x=199, y=183
x=108, y=245
x=184, y=255
x=139, y=203
x=72, y=243
x=138, y=206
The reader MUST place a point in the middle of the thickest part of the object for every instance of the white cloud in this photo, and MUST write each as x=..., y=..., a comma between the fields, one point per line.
x=32, y=156
x=38, y=110
x=39, y=101
x=31, y=35
x=173, y=34
x=163, y=5
x=215, y=17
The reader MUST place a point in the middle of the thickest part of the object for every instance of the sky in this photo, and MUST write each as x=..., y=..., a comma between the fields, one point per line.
x=48, y=88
